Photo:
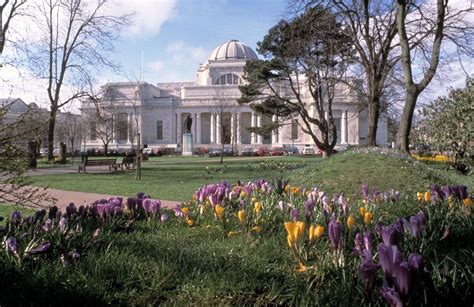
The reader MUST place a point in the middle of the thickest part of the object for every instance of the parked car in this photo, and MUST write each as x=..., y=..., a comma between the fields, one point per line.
x=147, y=150
x=228, y=151
x=248, y=151
x=277, y=151
x=308, y=151
x=214, y=152
x=291, y=150
x=44, y=151
x=262, y=151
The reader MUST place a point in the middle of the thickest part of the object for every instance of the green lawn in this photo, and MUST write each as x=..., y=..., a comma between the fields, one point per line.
x=175, y=178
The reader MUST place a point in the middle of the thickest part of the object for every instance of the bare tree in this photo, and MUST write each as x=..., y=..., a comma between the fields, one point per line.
x=9, y=9
x=444, y=24
x=70, y=126
x=75, y=40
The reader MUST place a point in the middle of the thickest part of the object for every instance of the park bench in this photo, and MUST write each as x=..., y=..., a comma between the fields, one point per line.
x=127, y=162
x=111, y=163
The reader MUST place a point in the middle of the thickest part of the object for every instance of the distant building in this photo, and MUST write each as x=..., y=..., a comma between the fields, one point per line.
x=159, y=111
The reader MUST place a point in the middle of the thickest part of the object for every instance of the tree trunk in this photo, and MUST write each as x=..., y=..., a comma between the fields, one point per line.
x=374, y=113
x=403, y=132
x=51, y=125
x=106, y=149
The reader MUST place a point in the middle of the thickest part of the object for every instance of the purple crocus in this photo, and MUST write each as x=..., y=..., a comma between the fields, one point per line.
x=71, y=209
x=389, y=257
x=140, y=195
x=391, y=296
x=282, y=206
x=48, y=225
x=403, y=277
x=11, y=244
x=295, y=214
x=63, y=224
x=178, y=211
x=359, y=243
x=365, y=190
x=335, y=232
x=309, y=208
x=415, y=224
x=41, y=249
x=368, y=273
x=392, y=234
x=164, y=217
x=16, y=217
x=415, y=263
x=368, y=241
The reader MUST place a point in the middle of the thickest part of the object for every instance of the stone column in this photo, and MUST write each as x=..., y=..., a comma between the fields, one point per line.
x=218, y=129
x=274, y=131
x=213, y=128
x=344, y=127
x=198, y=128
x=253, y=138
x=259, y=124
x=239, y=133
x=232, y=128
x=129, y=127
x=179, y=129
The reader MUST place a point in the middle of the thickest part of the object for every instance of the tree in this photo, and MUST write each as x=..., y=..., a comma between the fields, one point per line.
x=448, y=123
x=10, y=10
x=101, y=123
x=76, y=38
x=306, y=56
x=71, y=127
x=370, y=25
x=436, y=28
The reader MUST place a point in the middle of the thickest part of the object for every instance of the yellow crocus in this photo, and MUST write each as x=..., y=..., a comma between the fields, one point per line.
x=195, y=197
x=257, y=229
x=241, y=216
x=467, y=202
x=419, y=196
x=300, y=226
x=219, y=211
x=311, y=232
x=290, y=226
x=185, y=210
x=290, y=240
x=301, y=268
x=295, y=190
x=362, y=211
x=254, y=199
x=201, y=209
x=231, y=234
x=368, y=217
x=350, y=222
x=243, y=194
x=257, y=207
x=427, y=196
x=319, y=231
x=190, y=222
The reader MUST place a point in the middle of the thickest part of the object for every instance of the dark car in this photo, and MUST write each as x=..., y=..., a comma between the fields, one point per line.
x=214, y=152
x=262, y=151
x=228, y=151
x=291, y=150
x=277, y=151
x=248, y=151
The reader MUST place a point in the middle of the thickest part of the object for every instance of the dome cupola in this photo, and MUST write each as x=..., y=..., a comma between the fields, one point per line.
x=232, y=50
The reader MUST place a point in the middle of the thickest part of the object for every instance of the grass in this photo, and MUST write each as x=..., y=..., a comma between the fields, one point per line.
x=346, y=172
x=172, y=178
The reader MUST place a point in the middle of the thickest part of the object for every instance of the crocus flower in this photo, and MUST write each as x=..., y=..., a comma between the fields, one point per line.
x=164, y=217
x=319, y=231
x=309, y=208
x=392, y=234
x=74, y=254
x=359, y=243
x=335, y=232
x=16, y=217
x=403, y=277
x=368, y=273
x=311, y=232
x=389, y=257
x=71, y=209
x=295, y=214
x=368, y=218
x=415, y=225
x=63, y=224
x=11, y=244
x=391, y=296
x=241, y=216
x=427, y=196
x=415, y=263
x=219, y=211
x=48, y=224
x=257, y=207
x=467, y=202
x=368, y=241
x=282, y=206
x=365, y=190
x=350, y=222
x=41, y=249
x=362, y=211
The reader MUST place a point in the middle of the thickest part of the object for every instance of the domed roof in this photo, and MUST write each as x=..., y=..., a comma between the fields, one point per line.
x=232, y=49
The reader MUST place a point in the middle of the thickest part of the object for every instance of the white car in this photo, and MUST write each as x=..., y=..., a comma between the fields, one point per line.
x=308, y=151
x=146, y=150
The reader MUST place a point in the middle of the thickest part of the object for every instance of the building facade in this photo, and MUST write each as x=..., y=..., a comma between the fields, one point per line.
x=158, y=112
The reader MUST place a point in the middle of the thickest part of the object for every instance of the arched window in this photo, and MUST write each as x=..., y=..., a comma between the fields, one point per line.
x=229, y=79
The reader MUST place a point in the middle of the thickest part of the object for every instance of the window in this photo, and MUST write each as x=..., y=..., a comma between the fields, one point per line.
x=121, y=126
x=93, y=132
x=159, y=129
x=294, y=129
x=229, y=79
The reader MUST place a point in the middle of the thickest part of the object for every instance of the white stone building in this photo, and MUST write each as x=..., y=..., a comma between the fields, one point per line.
x=159, y=111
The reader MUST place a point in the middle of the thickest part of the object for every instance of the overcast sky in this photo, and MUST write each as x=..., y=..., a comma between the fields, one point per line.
x=175, y=36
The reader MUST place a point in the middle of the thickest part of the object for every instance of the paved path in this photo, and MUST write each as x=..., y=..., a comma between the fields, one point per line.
x=62, y=199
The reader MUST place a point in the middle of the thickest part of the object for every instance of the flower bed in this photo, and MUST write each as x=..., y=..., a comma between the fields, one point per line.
x=385, y=246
